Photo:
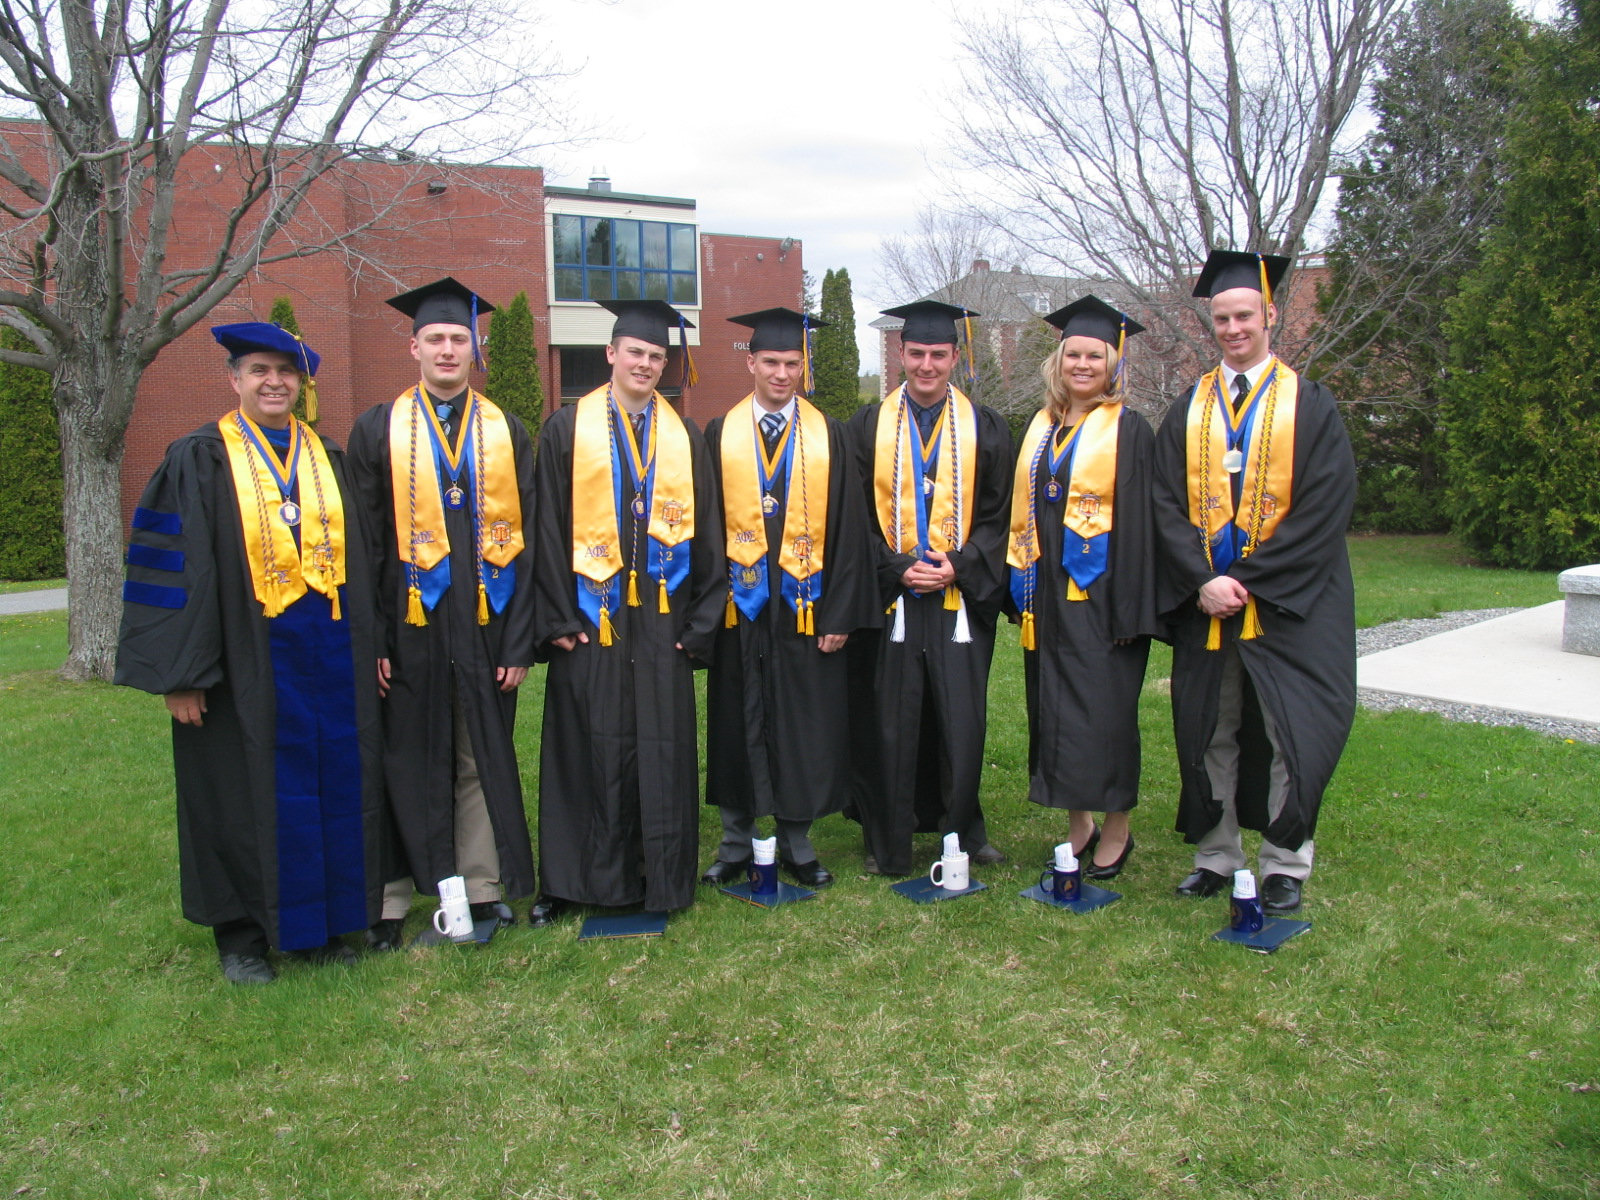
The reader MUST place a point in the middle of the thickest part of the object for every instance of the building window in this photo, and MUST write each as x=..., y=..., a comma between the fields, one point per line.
x=608, y=258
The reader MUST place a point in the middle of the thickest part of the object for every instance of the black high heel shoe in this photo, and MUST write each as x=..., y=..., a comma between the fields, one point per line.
x=1111, y=870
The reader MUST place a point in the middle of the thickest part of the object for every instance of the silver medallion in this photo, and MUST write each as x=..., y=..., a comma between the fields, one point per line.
x=289, y=513
x=1052, y=491
x=768, y=504
x=927, y=487
x=454, y=496
x=638, y=507
x=1233, y=462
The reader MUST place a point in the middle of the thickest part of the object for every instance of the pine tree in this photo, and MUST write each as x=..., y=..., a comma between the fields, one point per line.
x=837, y=361
x=513, y=381
x=283, y=315
x=31, y=542
x=1523, y=397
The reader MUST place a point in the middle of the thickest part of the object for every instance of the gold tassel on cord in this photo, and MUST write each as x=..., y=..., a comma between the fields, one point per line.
x=1074, y=592
x=608, y=633
x=811, y=618
x=483, y=605
x=1214, y=634
x=800, y=618
x=336, y=614
x=309, y=391
x=661, y=602
x=1252, y=622
x=414, y=613
x=952, y=598
x=730, y=615
x=633, y=589
x=1029, y=637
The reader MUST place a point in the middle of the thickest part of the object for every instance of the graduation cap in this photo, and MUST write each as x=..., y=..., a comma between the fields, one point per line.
x=930, y=323
x=263, y=337
x=444, y=302
x=649, y=321
x=778, y=328
x=1227, y=269
x=1091, y=316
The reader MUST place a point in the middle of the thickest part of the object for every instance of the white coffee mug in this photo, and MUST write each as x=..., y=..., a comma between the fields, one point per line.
x=453, y=917
x=950, y=873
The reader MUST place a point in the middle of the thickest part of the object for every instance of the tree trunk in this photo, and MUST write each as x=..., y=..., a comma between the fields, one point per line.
x=91, y=471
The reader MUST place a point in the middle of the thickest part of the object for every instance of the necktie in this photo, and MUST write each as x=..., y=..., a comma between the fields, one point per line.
x=446, y=412
x=638, y=424
x=771, y=430
x=1241, y=393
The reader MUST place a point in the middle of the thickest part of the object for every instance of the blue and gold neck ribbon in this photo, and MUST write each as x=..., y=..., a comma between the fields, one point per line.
x=421, y=459
x=606, y=457
x=1087, y=452
x=1262, y=436
x=748, y=473
x=269, y=494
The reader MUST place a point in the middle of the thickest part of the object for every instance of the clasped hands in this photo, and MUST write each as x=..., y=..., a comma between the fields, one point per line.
x=1223, y=597
x=923, y=576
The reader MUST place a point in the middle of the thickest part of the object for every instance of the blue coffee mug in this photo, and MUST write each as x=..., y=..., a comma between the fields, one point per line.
x=764, y=878
x=1245, y=915
x=1063, y=885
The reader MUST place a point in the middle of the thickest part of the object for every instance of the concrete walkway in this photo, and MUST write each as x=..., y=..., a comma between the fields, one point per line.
x=1513, y=662
x=43, y=600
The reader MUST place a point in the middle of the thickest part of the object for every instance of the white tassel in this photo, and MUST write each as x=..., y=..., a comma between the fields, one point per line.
x=962, y=634
x=897, y=633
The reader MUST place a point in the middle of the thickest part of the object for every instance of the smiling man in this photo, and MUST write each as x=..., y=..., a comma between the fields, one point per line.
x=631, y=585
x=248, y=607
x=800, y=583
x=446, y=479
x=1254, y=486
x=937, y=471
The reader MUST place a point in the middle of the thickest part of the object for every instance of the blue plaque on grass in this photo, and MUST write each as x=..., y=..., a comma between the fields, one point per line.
x=1089, y=898
x=787, y=893
x=1266, y=939
x=482, y=931
x=644, y=924
x=923, y=890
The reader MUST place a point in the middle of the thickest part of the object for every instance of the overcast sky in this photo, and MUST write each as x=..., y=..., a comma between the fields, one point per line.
x=817, y=121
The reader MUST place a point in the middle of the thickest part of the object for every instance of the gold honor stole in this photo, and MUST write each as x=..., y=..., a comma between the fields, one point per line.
x=418, y=492
x=894, y=480
x=596, y=540
x=1268, y=464
x=1088, y=512
x=805, y=520
x=276, y=570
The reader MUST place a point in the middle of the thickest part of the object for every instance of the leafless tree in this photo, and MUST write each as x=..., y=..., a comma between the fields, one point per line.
x=1125, y=139
x=117, y=106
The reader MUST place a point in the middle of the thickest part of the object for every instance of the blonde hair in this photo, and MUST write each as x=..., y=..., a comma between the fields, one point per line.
x=1056, y=399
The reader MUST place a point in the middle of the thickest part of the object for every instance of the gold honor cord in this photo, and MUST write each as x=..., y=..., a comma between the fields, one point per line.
x=277, y=572
x=1267, y=487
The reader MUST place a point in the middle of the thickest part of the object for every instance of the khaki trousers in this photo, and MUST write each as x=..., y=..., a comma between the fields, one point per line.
x=1221, y=849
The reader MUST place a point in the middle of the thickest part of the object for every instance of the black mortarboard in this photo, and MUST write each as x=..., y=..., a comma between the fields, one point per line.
x=1226, y=269
x=777, y=328
x=443, y=302
x=647, y=320
x=928, y=322
x=1093, y=317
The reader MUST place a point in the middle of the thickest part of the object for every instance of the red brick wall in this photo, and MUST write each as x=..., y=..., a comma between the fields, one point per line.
x=737, y=275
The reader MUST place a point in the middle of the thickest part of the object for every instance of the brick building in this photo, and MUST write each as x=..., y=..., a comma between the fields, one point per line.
x=500, y=230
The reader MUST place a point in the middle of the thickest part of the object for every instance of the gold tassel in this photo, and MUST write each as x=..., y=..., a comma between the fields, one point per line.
x=800, y=618
x=607, y=633
x=483, y=605
x=730, y=615
x=1029, y=638
x=633, y=589
x=414, y=613
x=691, y=372
x=1214, y=634
x=661, y=603
x=952, y=598
x=1252, y=622
x=337, y=614
x=1074, y=592
x=811, y=618
x=309, y=391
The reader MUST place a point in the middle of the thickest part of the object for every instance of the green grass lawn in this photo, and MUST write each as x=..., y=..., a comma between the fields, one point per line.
x=30, y=585
x=1433, y=1036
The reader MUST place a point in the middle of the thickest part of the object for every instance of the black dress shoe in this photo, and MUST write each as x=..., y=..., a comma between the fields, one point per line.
x=1110, y=870
x=723, y=873
x=812, y=874
x=987, y=856
x=335, y=953
x=545, y=911
x=1280, y=893
x=387, y=934
x=247, y=968
x=869, y=866
x=493, y=910
x=1202, y=883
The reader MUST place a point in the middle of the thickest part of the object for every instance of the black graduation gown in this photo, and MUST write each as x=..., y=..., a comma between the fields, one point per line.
x=928, y=694
x=777, y=721
x=1302, y=670
x=619, y=773
x=451, y=650
x=1083, y=689
x=280, y=789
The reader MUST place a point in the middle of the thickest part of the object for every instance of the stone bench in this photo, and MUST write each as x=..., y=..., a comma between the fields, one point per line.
x=1580, y=624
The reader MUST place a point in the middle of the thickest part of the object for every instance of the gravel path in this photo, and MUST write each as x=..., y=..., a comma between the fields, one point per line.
x=1398, y=633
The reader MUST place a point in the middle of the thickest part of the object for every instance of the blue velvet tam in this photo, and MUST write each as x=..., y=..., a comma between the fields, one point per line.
x=262, y=337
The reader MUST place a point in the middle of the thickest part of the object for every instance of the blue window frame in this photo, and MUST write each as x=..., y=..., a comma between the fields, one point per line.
x=612, y=258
